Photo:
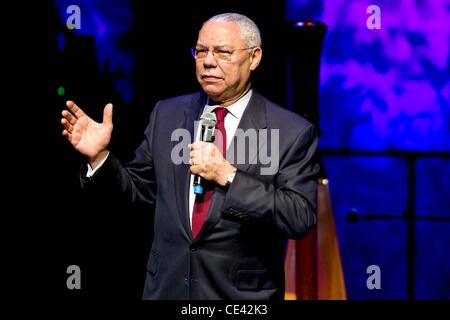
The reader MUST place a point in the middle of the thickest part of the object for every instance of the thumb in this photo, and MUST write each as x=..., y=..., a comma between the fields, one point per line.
x=107, y=114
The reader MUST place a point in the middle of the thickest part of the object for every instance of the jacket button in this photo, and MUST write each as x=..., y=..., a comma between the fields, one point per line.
x=193, y=249
x=186, y=279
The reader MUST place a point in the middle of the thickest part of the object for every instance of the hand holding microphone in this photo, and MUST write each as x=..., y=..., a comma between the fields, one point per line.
x=206, y=160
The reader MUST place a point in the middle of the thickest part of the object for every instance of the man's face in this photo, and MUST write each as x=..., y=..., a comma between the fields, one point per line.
x=224, y=81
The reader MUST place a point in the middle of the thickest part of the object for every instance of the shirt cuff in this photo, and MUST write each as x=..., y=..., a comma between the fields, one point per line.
x=90, y=172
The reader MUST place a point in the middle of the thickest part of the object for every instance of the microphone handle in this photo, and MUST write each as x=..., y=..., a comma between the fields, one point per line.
x=207, y=135
x=198, y=188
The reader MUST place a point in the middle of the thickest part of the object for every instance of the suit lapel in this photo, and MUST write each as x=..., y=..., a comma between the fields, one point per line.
x=254, y=117
x=182, y=174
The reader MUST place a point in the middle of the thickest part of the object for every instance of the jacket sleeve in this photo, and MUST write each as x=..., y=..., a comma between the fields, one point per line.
x=290, y=201
x=135, y=182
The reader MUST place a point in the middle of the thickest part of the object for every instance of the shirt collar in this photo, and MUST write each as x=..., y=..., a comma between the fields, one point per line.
x=236, y=109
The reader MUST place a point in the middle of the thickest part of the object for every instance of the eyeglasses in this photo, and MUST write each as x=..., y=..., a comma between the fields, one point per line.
x=220, y=54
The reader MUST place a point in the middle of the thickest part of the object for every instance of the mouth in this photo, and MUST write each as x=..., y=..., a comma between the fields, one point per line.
x=210, y=78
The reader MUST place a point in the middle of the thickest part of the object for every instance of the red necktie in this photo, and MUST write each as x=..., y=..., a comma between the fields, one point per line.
x=202, y=202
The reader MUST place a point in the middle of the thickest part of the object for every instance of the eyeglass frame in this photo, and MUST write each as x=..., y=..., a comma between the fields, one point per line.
x=216, y=51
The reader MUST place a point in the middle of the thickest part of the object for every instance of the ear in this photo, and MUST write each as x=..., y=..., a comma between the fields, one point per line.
x=255, y=58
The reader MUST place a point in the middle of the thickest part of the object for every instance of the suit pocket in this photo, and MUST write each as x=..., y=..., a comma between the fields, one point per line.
x=254, y=280
x=153, y=261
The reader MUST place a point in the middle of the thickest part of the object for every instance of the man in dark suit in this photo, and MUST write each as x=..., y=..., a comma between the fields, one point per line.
x=228, y=242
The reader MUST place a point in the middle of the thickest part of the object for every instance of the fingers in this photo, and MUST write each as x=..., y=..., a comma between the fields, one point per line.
x=199, y=158
x=196, y=157
x=76, y=111
x=202, y=145
x=200, y=170
x=198, y=145
x=204, y=152
x=197, y=170
x=107, y=114
x=69, y=117
x=66, y=134
x=67, y=126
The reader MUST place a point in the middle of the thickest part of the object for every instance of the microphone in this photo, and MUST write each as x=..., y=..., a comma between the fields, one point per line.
x=205, y=132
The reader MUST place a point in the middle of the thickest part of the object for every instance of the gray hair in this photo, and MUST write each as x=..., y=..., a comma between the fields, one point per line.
x=249, y=30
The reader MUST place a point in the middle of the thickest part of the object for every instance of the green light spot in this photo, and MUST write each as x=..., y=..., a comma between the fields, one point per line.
x=61, y=91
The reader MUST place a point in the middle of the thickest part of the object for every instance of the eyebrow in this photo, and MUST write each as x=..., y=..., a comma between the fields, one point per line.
x=221, y=47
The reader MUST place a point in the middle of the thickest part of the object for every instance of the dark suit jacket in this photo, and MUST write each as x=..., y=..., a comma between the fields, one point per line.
x=239, y=253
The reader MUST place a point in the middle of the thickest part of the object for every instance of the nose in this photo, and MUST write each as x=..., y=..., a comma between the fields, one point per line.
x=209, y=61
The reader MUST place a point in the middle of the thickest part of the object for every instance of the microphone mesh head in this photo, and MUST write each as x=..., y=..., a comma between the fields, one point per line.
x=208, y=119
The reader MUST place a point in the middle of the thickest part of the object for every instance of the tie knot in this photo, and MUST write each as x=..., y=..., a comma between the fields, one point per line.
x=221, y=112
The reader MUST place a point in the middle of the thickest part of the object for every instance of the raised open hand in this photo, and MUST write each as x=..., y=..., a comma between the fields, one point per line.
x=90, y=138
